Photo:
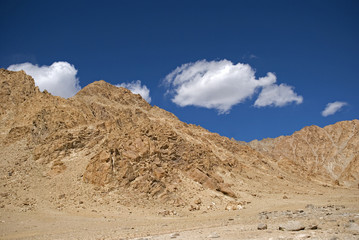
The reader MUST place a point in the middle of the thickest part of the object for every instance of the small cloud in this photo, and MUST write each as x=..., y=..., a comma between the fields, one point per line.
x=136, y=88
x=277, y=96
x=221, y=84
x=252, y=56
x=59, y=78
x=332, y=108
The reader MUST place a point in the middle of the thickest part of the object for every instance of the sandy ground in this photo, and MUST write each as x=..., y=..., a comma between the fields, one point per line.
x=333, y=214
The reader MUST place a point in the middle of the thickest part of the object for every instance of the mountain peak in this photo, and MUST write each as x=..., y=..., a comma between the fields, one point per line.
x=15, y=88
x=102, y=91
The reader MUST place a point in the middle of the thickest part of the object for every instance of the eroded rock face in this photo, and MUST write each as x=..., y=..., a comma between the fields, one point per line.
x=324, y=154
x=15, y=88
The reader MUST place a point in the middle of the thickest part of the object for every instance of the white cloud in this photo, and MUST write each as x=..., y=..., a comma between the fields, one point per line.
x=216, y=84
x=136, y=88
x=277, y=96
x=59, y=78
x=332, y=108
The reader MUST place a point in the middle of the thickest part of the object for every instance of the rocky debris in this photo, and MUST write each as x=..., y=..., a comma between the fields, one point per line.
x=303, y=236
x=312, y=227
x=165, y=213
x=310, y=210
x=174, y=235
x=292, y=226
x=213, y=235
x=353, y=227
x=233, y=206
x=194, y=208
x=309, y=206
x=262, y=226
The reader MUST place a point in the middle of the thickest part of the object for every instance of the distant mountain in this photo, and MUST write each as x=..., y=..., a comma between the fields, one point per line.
x=322, y=154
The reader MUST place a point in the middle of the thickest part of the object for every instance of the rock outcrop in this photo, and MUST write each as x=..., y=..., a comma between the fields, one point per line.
x=328, y=155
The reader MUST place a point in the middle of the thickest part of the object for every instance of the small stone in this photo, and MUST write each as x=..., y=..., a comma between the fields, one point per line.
x=233, y=206
x=312, y=227
x=262, y=226
x=194, y=208
x=303, y=236
x=285, y=197
x=174, y=235
x=291, y=226
x=310, y=206
x=4, y=195
x=61, y=196
x=352, y=227
x=213, y=235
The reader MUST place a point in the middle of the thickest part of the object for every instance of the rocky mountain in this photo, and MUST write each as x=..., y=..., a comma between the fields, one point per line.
x=107, y=142
x=321, y=154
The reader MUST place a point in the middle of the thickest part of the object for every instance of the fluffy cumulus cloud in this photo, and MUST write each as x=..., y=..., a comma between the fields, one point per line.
x=59, y=78
x=277, y=96
x=221, y=85
x=137, y=88
x=332, y=108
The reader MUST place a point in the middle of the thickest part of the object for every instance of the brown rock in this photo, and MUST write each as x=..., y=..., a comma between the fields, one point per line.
x=262, y=226
x=292, y=226
x=334, y=146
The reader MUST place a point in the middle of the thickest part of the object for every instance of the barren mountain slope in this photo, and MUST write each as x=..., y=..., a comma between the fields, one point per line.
x=324, y=154
x=105, y=164
x=105, y=137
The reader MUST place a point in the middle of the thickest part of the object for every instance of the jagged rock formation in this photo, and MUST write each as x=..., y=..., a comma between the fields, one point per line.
x=108, y=138
x=323, y=154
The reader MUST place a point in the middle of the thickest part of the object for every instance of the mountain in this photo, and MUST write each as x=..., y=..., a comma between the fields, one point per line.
x=107, y=145
x=321, y=154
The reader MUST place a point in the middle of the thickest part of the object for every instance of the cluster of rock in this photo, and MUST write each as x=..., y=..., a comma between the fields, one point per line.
x=329, y=217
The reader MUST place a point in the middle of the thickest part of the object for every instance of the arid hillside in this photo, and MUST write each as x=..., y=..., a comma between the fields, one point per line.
x=104, y=155
x=107, y=137
x=321, y=154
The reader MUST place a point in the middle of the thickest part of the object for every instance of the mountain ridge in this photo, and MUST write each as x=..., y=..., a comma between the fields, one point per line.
x=338, y=140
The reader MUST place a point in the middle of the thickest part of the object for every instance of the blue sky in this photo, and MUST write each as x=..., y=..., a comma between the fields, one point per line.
x=310, y=47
